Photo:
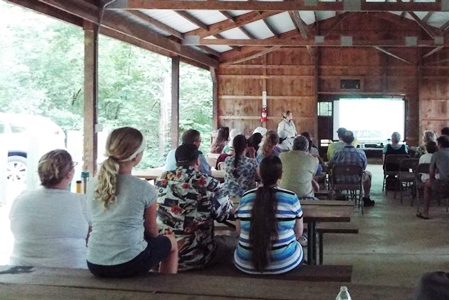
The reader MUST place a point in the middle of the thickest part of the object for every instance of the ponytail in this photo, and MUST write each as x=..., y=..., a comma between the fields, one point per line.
x=263, y=226
x=239, y=144
x=107, y=182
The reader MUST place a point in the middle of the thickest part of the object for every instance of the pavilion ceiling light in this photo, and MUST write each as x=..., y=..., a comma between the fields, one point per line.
x=438, y=40
x=346, y=41
x=352, y=5
x=411, y=41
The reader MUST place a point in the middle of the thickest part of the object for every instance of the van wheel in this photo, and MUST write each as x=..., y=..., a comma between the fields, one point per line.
x=16, y=169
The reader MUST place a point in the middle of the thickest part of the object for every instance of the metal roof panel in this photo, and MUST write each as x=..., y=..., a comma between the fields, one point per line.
x=171, y=19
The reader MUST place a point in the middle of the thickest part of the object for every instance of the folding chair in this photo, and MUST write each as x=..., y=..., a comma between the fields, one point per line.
x=419, y=186
x=339, y=171
x=391, y=167
x=406, y=174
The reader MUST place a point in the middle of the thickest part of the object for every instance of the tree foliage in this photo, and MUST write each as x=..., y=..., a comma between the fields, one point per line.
x=42, y=73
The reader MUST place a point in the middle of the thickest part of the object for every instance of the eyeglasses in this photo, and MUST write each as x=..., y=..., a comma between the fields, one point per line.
x=74, y=164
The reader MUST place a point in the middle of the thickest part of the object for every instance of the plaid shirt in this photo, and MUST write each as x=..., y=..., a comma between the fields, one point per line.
x=350, y=156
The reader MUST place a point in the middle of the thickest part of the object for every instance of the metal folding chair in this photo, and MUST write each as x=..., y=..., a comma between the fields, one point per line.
x=355, y=189
x=391, y=167
x=406, y=174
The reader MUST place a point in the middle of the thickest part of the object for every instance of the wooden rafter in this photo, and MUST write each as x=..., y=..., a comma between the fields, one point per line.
x=274, y=5
x=228, y=24
x=392, y=55
x=433, y=51
x=334, y=42
x=121, y=24
x=247, y=33
x=299, y=23
x=192, y=19
x=445, y=27
x=427, y=17
x=147, y=19
x=227, y=15
x=423, y=25
x=256, y=55
x=231, y=56
x=338, y=20
x=271, y=28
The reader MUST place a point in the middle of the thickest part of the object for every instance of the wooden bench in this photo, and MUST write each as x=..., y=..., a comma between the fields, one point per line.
x=318, y=273
x=323, y=228
x=49, y=284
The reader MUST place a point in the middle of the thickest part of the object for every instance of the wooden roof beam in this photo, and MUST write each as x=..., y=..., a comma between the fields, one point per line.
x=423, y=25
x=192, y=19
x=427, y=17
x=228, y=24
x=227, y=15
x=156, y=23
x=445, y=27
x=335, y=42
x=247, y=33
x=338, y=20
x=271, y=28
x=120, y=24
x=255, y=55
x=299, y=23
x=49, y=11
x=392, y=55
x=274, y=5
x=433, y=51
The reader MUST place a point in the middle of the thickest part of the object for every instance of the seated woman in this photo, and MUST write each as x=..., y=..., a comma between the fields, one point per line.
x=269, y=221
x=50, y=225
x=221, y=140
x=269, y=146
x=125, y=238
x=431, y=148
x=428, y=136
x=240, y=171
x=394, y=148
x=255, y=140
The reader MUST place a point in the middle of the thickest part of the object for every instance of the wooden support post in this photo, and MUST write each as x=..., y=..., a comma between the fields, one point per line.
x=213, y=73
x=174, y=131
x=90, y=97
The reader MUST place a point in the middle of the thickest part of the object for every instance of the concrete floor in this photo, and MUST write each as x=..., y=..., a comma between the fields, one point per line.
x=393, y=247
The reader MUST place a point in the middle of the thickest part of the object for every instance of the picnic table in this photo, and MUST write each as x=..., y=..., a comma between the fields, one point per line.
x=154, y=173
x=323, y=211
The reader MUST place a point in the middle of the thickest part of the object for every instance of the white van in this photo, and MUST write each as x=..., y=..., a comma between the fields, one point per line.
x=20, y=132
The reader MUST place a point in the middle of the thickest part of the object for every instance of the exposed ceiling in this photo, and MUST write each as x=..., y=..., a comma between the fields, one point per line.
x=209, y=32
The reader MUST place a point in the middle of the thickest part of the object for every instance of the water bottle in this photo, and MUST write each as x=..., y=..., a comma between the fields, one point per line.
x=343, y=294
x=85, y=178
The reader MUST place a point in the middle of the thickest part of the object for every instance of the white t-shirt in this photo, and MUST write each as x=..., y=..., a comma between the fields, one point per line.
x=118, y=232
x=425, y=159
x=50, y=228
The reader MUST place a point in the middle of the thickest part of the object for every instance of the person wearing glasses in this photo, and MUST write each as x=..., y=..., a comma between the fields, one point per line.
x=50, y=225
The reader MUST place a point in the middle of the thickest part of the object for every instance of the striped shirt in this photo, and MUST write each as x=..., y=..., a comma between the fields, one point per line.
x=286, y=252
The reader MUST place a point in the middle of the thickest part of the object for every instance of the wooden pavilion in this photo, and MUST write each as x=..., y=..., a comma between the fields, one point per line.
x=296, y=52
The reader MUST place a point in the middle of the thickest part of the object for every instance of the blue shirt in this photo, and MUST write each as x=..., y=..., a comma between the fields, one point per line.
x=349, y=156
x=286, y=253
x=170, y=163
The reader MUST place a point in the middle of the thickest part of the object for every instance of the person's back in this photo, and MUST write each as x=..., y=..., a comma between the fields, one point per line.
x=299, y=167
x=351, y=156
x=188, y=203
x=118, y=234
x=50, y=228
x=50, y=225
x=269, y=222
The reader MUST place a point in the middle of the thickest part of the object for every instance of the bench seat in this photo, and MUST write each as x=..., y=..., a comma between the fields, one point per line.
x=323, y=228
x=52, y=283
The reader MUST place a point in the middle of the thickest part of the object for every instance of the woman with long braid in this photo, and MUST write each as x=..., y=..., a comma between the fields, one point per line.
x=125, y=238
x=269, y=221
x=240, y=171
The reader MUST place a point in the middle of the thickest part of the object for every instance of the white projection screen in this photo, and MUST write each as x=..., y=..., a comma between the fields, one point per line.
x=372, y=120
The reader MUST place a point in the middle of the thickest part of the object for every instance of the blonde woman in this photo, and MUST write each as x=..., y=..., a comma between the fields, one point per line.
x=50, y=224
x=269, y=146
x=428, y=136
x=125, y=238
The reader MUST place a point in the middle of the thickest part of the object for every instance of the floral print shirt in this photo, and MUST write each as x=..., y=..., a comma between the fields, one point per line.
x=188, y=203
x=246, y=169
